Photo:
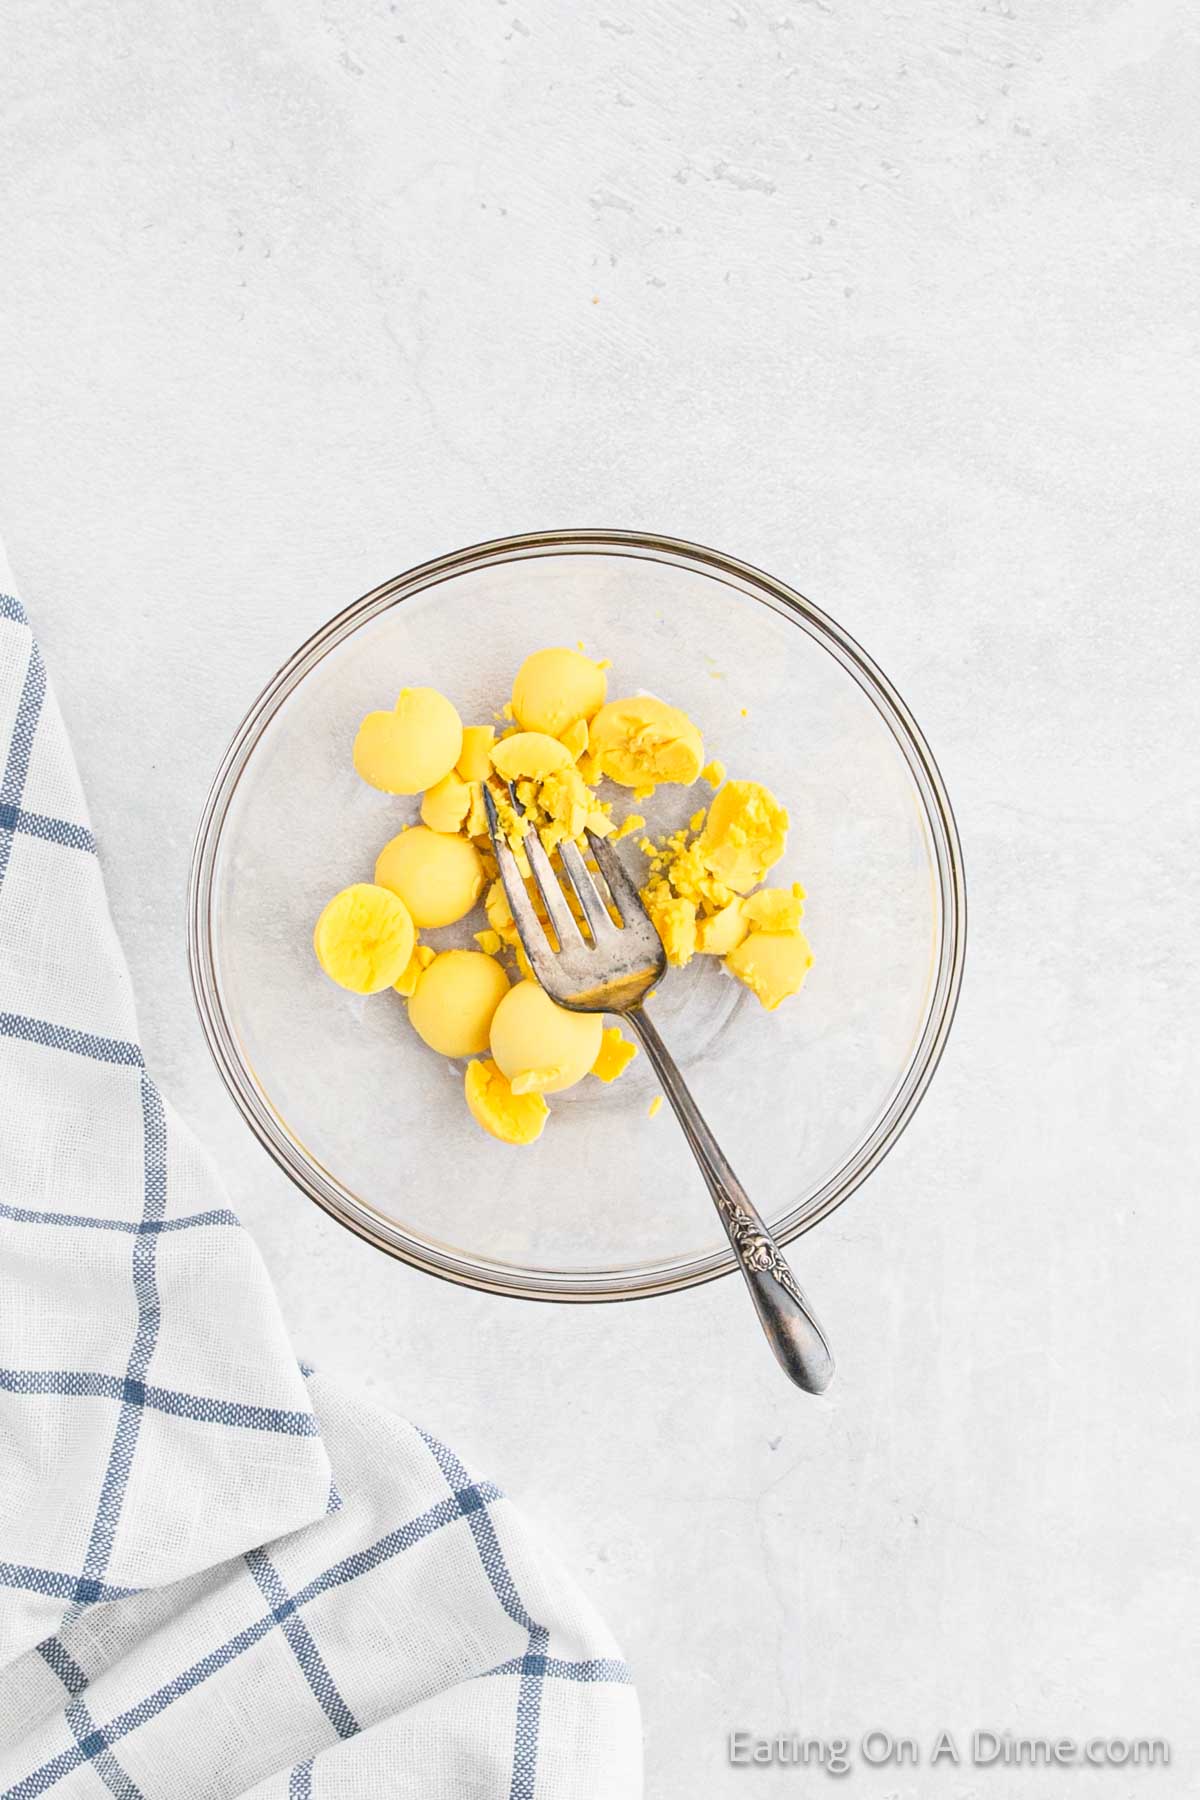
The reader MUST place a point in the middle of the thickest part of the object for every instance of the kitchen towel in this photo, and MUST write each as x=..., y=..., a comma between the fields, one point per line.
x=220, y=1574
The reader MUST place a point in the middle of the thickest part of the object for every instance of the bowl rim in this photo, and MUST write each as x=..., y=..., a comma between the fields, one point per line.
x=623, y=1283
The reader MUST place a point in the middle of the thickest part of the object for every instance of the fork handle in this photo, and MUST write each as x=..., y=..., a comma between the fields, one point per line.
x=792, y=1330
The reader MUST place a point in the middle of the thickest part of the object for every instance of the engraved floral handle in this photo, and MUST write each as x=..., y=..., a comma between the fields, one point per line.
x=791, y=1327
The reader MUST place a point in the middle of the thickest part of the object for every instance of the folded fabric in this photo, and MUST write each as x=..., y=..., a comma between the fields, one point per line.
x=220, y=1575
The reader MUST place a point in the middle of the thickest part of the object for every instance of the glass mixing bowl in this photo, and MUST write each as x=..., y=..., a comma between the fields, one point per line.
x=609, y=1204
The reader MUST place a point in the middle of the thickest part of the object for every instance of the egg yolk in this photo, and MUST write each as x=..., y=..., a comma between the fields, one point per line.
x=575, y=739
x=439, y=878
x=476, y=757
x=542, y=1048
x=419, y=961
x=772, y=964
x=529, y=753
x=697, y=893
x=364, y=938
x=723, y=931
x=513, y=1118
x=445, y=805
x=454, y=1001
x=616, y=1054
x=643, y=741
x=411, y=747
x=744, y=836
x=674, y=919
x=554, y=689
x=775, y=909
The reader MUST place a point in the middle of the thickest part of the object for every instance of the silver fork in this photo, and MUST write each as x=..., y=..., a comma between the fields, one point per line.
x=613, y=973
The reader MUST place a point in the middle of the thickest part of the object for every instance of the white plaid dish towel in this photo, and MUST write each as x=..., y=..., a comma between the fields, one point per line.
x=220, y=1575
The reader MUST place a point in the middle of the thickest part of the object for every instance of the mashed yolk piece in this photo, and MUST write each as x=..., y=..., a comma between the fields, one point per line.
x=513, y=1118
x=499, y=914
x=642, y=741
x=616, y=1054
x=438, y=877
x=723, y=931
x=529, y=753
x=697, y=889
x=420, y=959
x=364, y=938
x=411, y=747
x=476, y=756
x=554, y=689
x=541, y=1047
x=674, y=919
x=454, y=1001
x=775, y=909
x=575, y=739
x=744, y=836
x=445, y=805
x=772, y=964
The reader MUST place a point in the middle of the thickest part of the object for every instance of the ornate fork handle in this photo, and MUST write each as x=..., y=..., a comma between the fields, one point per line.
x=791, y=1327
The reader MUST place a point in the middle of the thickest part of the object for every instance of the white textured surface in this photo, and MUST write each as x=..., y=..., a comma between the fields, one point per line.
x=898, y=304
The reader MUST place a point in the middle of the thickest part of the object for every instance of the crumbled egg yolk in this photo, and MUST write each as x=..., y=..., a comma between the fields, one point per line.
x=720, y=932
x=561, y=738
x=744, y=835
x=555, y=802
x=772, y=964
x=445, y=806
x=697, y=894
x=476, y=757
x=513, y=1118
x=406, y=985
x=616, y=1054
x=575, y=739
x=642, y=741
x=531, y=754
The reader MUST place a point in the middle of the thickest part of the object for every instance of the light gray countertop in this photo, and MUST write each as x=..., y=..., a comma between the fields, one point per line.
x=898, y=304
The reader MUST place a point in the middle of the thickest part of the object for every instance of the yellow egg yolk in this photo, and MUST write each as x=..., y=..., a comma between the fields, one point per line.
x=445, y=805
x=554, y=689
x=642, y=741
x=575, y=739
x=720, y=932
x=541, y=1047
x=744, y=836
x=529, y=753
x=364, y=938
x=438, y=877
x=616, y=1054
x=775, y=909
x=420, y=960
x=411, y=747
x=454, y=1002
x=476, y=757
x=697, y=892
x=513, y=1118
x=772, y=964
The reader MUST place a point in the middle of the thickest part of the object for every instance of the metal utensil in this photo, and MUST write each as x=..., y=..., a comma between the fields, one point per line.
x=611, y=971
